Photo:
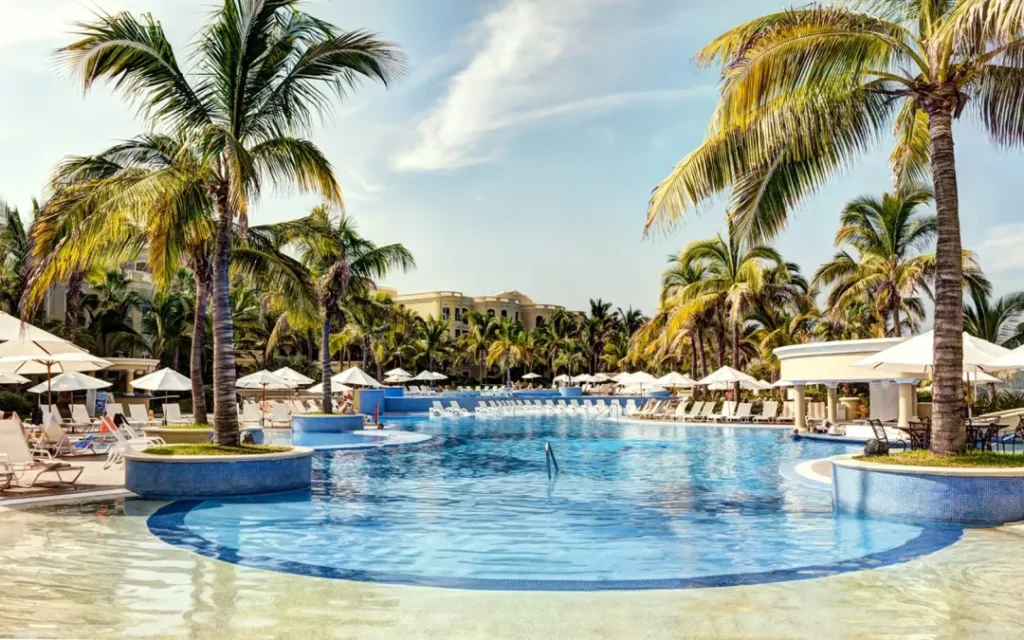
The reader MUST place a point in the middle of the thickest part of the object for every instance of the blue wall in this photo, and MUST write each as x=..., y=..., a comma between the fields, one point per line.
x=166, y=480
x=336, y=423
x=972, y=500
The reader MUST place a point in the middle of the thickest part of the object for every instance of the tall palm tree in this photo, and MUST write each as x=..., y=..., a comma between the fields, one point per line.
x=265, y=72
x=435, y=341
x=999, y=321
x=343, y=264
x=733, y=276
x=885, y=254
x=477, y=339
x=14, y=255
x=805, y=91
x=508, y=348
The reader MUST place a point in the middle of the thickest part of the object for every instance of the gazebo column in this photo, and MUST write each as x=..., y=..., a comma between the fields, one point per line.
x=130, y=379
x=907, y=403
x=833, y=402
x=799, y=407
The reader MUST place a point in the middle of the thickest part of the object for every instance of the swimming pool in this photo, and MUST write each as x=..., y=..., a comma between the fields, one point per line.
x=633, y=507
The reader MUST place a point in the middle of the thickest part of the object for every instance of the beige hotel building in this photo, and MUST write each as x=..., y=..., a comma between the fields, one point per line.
x=453, y=305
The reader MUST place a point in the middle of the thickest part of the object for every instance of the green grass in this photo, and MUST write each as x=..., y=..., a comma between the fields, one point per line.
x=184, y=426
x=214, y=450
x=923, y=458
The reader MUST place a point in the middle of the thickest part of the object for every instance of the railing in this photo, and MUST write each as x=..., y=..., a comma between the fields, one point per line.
x=549, y=457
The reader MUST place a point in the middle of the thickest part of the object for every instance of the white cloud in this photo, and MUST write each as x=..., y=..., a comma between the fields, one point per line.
x=534, y=59
x=364, y=190
x=1003, y=243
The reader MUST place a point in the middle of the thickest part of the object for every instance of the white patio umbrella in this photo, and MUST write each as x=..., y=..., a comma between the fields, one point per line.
x=165, y=380
x=266, y=380
x=583, y=377
x=355, y=377
x=12, y=378
x=291, y=375
x=531, y=376
x=779, y=384
x=1012, y=360
x=71, y=381
x=561, y=378
x=335, y=388
x=36, y=360
x=727, y=376
x=397, y=379
x=916, y=355
x=398, y=373
x=12, y=328
x=600, y=377
x=622, y=376
x=676, y=380
x=429, y=376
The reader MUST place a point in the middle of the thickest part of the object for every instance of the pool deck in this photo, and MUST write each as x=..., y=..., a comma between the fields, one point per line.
x=95, y=483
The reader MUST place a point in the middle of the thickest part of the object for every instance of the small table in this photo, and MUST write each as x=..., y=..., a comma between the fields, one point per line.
x=919, y=435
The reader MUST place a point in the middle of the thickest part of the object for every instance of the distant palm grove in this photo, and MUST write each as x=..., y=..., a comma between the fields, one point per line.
x=233, y=116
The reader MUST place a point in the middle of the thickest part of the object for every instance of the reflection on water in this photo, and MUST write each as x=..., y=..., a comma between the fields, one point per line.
x=94, y=570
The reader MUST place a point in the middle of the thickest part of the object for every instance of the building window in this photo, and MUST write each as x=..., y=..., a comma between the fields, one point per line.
x=458, y=314
x=517, y=316
x=465, y=314
x=504, y=313
x=540, y=321
x=490, y=312
x=446, y=312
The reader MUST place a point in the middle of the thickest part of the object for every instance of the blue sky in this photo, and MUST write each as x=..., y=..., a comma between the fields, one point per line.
x=518, y=152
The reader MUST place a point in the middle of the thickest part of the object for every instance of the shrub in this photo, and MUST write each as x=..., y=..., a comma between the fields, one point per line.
x=16, y=402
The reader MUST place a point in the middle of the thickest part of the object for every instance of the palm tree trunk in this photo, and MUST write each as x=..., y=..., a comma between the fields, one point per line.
x=693, y=352
x=896, y=330
x=948, y=433
x=196, y=351
x=325, y=360
x=703, y=357
x=736, y=357
x=483, y=366
x=225, y=413
x=73, y=304
x=508, y=372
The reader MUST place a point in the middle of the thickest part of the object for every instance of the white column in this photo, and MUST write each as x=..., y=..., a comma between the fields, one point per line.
x=833, y=401
x=799, y=408
x=908, y=398
x=131, y=379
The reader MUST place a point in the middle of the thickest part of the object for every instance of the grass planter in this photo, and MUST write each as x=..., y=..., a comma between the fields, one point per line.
x=196, y=434
x=215, y=475
x=974, y=496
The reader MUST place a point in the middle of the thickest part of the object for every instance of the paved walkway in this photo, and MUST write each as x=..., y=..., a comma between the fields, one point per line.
x=94, y=478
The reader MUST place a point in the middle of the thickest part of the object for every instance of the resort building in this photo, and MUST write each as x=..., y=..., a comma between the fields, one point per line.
x=453, y=305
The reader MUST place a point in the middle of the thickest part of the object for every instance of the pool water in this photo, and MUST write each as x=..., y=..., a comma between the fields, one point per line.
x=633, y=506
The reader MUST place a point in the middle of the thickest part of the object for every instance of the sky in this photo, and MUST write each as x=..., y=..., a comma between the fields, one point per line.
x=518, y=151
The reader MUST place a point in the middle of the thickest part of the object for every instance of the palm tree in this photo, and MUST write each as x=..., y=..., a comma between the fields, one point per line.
x=477, y=339
x=998, y=321
x=14, y=255
x=435, y=341
x=265, y=71
x=343, y=264
x=508, y=348
x=805, y=91
x=733, y=275
x=890, y=260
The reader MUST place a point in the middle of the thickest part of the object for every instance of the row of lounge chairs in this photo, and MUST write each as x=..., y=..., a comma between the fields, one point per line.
x=498, y=408
x=701, y=411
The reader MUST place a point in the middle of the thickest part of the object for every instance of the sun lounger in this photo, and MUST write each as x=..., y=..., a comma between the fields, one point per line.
x=297, y=408
x=280, y=416
x=456, y=410
x=172, y=413
x=647, y=409
x=631, y=409
x=769, y=412
x=679, y=413
x=694, y=411
x=313, y=406
x=436, y=410
x=706, y=413
x=727, y=409
x=17, y=460
x=140, y=417
x=114, y=408
x=742, y=413
x=80, y=418
x=251, y=414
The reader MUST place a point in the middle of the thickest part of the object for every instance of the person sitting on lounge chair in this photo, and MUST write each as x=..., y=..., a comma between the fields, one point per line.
x=346, y=404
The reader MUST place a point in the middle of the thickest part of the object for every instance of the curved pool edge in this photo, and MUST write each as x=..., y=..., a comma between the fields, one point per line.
x=168, y=525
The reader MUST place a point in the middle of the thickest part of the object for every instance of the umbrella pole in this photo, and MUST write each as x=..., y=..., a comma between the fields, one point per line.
x=49, y=390
x=969, y=416
x=263, y=406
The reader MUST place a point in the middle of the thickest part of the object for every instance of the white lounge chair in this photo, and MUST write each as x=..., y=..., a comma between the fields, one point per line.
x=456, y=410
x=313, y=406
x=17, y=459
x=727, y=410
x=114, y=408
x=707, y=412
x=140, y=416
x=172, y=412
x=631, y=409
x=80, y=418
x=251, y=414
x=742, y=413
x=436, y=410
x=679, y=413
x=694, y=411
x=280, y=416
x=769, y=412
x=297, y=407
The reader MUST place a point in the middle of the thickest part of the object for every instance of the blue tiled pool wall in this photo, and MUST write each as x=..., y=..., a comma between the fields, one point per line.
x=967, y=500
x=157, y=479
x=335, y=423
